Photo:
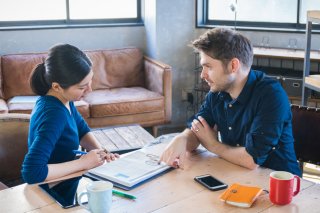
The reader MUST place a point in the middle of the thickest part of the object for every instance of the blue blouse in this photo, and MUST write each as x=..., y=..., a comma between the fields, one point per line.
x=53, y=133
x=259, y=120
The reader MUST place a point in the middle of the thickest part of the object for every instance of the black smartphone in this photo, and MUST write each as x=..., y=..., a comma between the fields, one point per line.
x=210, y=182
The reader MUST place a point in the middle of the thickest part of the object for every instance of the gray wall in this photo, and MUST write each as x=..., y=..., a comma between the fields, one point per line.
x=85, y=38
x=169, y=28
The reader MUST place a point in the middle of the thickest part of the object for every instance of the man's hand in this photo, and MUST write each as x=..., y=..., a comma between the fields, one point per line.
x=175, y=153
x=208, y=138
x=204, y=132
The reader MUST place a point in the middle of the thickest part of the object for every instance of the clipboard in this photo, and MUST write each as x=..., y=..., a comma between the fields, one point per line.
x=132, y=169
x=120, y=186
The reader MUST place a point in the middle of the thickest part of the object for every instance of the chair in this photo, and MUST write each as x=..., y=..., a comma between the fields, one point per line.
x=306, y=133
x=13, y=146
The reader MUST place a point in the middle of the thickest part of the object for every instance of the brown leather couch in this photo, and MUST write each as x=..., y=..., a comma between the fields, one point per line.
x=128, y=87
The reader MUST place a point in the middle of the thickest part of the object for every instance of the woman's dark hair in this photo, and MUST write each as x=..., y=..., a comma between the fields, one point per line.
x=65, y=64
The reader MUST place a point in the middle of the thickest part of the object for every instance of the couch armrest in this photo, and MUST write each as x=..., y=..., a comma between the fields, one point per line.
x=14, y=129
x=159, y=79
x=3, y=106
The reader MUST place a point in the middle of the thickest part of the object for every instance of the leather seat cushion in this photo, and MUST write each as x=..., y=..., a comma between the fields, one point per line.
x=16, y=106
x=83, y=108
x=123, y=101
x=3, y=107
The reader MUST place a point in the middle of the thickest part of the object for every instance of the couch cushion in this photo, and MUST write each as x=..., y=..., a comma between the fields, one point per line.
x=25, y=104
x=3, y=106
x=83, y=108
x=123, y=101
x=16, y=70
x=22, y=104
x=117, y=68
x=144, y=119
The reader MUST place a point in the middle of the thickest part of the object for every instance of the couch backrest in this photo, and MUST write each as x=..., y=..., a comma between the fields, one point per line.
x=16, y=70
x=112, y=69
x=117, y=68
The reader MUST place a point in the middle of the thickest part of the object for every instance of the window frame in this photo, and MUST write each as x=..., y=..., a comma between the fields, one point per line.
x=68, y=23
x=204, y=22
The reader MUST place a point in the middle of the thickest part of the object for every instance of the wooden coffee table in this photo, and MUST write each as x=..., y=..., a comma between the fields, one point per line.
x=122, y=139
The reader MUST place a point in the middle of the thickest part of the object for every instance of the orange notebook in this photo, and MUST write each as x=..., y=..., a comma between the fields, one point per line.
x=240, y=195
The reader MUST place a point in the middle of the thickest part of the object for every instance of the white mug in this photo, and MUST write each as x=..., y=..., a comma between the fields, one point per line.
x=99, y=196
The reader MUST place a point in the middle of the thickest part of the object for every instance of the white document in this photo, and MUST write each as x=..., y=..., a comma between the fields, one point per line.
x=134, y=167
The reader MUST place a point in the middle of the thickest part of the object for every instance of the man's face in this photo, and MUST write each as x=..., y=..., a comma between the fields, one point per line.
x=218, y=76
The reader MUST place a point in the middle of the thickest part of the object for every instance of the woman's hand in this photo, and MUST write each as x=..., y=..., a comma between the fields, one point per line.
x=92, y=159
x=175, y=153
x=97, y=157
x=108, y=156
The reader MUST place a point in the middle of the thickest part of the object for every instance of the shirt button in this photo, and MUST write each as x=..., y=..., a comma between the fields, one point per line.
x=273, y=148
x=230, y=128
x=230, y=105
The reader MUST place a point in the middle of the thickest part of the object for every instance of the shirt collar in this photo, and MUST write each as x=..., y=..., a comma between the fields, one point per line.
x=248, y=87
x=245, y=93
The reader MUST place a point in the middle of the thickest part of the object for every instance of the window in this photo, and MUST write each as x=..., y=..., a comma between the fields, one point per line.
x=41, y=13
x=103, y=9
x=256, y=14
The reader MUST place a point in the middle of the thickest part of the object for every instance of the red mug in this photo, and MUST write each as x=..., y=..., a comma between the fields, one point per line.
x=281, y=187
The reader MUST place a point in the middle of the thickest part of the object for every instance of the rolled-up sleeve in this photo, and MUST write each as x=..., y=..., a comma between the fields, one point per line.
x=261, y=143
x=267, y=127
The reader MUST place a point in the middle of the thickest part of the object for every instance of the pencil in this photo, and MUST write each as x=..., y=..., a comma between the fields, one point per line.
x=79, y=152
x=122, y=194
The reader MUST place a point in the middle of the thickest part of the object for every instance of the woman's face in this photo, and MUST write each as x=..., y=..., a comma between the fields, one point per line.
x=77, y=91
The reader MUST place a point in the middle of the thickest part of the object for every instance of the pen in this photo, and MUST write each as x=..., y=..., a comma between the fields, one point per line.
x=79, y=152
x=122, y=194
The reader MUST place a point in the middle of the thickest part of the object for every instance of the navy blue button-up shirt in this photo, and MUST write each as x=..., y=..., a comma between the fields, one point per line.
x=259, y=120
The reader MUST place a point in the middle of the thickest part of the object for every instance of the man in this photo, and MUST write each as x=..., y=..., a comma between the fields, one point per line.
x=249, y=110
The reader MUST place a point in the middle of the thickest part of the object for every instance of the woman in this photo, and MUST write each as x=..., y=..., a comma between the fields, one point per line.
x=56, y=127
